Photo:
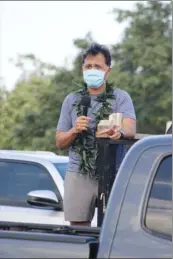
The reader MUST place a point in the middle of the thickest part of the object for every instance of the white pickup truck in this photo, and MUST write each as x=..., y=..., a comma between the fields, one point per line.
x=26, y=179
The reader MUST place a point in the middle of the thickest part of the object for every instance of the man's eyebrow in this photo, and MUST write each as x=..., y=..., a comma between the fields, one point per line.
x=91, y=64
x=96, y=64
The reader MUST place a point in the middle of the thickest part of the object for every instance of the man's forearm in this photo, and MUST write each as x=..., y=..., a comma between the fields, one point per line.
x=129, y=132
x=129, y=128
x=65, y=139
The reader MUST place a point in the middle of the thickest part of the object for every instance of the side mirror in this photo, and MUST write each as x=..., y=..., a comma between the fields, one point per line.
x=43, y=198
x=169, y=131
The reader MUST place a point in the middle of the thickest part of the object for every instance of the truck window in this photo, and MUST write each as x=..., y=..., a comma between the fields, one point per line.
x=61, y=167
x=158, y=218
x=19, y=178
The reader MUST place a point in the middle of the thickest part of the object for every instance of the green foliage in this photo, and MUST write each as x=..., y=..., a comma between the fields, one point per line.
x=81, y=45
x=142, y=65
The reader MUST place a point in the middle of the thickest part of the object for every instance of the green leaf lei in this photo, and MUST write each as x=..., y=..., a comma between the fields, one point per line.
x=85, y=144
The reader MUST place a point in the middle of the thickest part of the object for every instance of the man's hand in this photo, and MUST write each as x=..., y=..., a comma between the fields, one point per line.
x=81, y=124
x=114, y=133
x=65, y=139
x=129, y=130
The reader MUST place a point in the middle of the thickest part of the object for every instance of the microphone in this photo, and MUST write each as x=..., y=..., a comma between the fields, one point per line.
x=85, y=102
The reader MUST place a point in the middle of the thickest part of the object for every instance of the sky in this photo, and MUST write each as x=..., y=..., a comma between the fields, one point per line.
x=47, y=29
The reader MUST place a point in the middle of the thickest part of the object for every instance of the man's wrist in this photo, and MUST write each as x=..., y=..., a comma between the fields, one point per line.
x=74, y=131
x=122, y=135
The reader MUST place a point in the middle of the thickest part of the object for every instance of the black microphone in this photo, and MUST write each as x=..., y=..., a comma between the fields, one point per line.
x=85, y=102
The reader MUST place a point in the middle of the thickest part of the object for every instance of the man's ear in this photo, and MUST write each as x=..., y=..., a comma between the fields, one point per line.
x=109, y=69
x=107, y=72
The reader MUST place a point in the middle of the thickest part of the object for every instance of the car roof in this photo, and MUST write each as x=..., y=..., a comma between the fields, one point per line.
x=29, y=152
x=33, y=156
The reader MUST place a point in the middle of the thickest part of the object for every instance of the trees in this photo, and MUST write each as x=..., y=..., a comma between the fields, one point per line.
x=31, y=110
x=142, y=64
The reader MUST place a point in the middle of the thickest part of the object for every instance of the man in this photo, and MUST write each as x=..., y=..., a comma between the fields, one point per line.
x=80, y=189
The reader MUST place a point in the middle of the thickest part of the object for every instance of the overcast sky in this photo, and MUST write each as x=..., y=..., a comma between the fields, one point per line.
x=47, y=29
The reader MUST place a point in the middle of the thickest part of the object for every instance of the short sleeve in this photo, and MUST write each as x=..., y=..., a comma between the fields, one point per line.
x=65, y=120
x=125, y=105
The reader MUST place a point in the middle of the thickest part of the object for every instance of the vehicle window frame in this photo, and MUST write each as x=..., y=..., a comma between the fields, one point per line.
x=153, y=233
x=57, y=169
x=8, y=202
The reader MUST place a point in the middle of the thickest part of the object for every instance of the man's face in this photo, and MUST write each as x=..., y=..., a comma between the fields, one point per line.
x=96, y=62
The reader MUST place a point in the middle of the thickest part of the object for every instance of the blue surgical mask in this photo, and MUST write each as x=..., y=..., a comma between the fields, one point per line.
x=94, y=78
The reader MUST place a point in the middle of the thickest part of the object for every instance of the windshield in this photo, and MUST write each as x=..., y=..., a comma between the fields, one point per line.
x=61, y=167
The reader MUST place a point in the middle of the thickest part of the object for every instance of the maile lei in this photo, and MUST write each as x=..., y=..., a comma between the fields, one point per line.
x=85, y=144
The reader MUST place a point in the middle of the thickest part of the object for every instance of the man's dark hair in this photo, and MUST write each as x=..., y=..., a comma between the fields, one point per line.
x=95, y=49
